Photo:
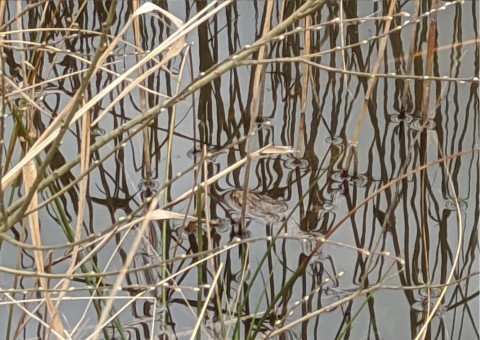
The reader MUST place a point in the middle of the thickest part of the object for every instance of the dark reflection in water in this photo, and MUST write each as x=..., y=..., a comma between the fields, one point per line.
x=335, y=214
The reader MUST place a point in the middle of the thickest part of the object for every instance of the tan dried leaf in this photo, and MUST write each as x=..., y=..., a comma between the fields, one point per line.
x=161, y=214
x=278, y=150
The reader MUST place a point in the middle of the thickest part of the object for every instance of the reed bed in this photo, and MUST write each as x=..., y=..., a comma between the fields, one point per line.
x=223, y=169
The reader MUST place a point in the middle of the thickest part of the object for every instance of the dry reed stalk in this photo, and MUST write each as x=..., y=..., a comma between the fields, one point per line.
x=342, y=45
x=30, y=314
x=168, y=166
x=207, y=298
x=410, y=58
x=22, y=12
x=83, y=189
x=305, y=84
x=212, y=74
x=38, y=54
x=255, y=109
x=147, y=161
x=432, y=37
x=3, y=5
x=170, y=42
x=53, y=130
x=59, y=128
x=423, y=159
x=213, y=179
x=373, y=81
x=396, y=181
x=304, y=60
x=352, y=150
x=3, y=102
x=432, y=312
x=171, y=127
x=29, y=175
x=172, y=45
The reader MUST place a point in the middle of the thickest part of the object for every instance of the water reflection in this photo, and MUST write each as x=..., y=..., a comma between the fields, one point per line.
x=304, y=87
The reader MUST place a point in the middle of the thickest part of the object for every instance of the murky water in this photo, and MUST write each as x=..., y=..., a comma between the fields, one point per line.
x=375, y=212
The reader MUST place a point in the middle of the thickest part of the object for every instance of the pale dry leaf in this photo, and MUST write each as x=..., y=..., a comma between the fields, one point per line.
x=161, y=214
x=149, y=7
x=29, y=175
x=278, y=150
x=173, y=50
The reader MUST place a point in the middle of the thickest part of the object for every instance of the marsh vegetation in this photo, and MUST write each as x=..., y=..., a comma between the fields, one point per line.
x=239, y=169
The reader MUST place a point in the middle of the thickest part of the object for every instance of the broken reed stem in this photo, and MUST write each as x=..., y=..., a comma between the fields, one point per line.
x=137, y=124
x=373, y=81
x=411, y=55
x=3, y=102
x=147, y=162
x=307, y=7
x=425, y=253
x=254, y=113
x=305, y=84
x=351, y=153
x=70, y=113
x=432, y=36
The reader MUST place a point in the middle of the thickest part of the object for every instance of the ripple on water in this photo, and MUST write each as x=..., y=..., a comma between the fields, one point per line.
x=264, y=123
x=223, y=226
x=335, y=140
x=293, y=163
x=397, y=118
x=416, y=124
x=328, y=206
x=196, y=152
x=358, y=180
x=148, y=184
x=451, y=204
x=241, y=276
x=427, y=303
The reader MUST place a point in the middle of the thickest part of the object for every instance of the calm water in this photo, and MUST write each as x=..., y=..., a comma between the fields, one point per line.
x=396, y=235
